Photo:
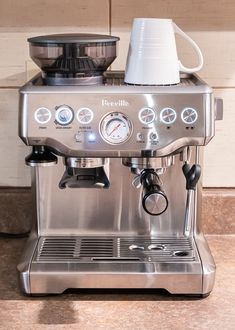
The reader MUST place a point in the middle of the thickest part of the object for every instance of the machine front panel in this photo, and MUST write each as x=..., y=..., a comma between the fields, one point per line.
x=112, y=211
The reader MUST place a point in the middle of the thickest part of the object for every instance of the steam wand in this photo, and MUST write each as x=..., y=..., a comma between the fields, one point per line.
x=192, y=175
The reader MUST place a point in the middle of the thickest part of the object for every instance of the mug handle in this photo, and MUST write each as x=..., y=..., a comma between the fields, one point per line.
x=195, y=46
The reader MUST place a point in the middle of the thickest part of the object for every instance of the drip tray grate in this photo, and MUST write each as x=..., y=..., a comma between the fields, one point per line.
x=114, y=249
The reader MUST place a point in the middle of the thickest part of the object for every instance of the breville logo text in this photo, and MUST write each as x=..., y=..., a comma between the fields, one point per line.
x=118, y=103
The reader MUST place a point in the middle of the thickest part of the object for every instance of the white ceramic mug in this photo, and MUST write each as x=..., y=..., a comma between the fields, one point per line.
x=152, y=56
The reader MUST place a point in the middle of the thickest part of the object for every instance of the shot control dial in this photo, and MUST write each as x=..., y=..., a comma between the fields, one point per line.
x=64, y=115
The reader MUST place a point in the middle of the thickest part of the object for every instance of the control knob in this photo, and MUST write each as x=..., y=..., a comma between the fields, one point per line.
x=42, y=115
x=64, y=115
x=168, y=116
x=147, y=115
x=189, y=115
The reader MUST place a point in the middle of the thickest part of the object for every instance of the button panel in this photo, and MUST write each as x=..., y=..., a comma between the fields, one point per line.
x=83, y=123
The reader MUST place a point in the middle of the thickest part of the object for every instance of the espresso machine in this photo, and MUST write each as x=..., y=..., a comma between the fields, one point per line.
x=116, y=174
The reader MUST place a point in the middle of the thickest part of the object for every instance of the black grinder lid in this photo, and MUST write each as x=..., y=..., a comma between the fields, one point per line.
x=73, y=38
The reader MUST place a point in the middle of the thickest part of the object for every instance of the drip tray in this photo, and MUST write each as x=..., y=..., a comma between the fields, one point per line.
x=114, y=250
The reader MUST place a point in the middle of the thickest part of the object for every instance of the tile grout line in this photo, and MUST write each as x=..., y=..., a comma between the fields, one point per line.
x=10, y=87
x=110, y=16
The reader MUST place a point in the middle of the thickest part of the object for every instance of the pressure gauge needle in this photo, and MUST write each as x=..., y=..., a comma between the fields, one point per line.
x=114, y=129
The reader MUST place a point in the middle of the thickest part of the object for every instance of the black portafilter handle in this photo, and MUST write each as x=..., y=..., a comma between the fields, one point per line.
x=40, y=156
x=154, y=200
x=192, y=175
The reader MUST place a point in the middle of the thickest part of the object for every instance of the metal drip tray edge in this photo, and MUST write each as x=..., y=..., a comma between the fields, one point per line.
x=90, y=250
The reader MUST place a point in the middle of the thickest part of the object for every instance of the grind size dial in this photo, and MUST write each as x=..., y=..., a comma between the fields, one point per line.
x=115, y=128
x=64, y=115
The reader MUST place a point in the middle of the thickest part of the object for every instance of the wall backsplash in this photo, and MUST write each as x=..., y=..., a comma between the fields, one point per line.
x=211, y=26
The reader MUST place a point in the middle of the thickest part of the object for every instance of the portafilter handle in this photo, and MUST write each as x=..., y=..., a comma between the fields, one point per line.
x=154, y=200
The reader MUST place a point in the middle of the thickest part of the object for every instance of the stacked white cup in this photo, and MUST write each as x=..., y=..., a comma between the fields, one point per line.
x=152, y=56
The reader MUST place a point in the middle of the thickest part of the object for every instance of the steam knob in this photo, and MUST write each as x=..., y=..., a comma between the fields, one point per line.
x=154, y=199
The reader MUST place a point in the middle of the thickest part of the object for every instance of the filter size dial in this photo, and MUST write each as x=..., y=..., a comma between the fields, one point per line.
x=115, y=128
x=85, y=115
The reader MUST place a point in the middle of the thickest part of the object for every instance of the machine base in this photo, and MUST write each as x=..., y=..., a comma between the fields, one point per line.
x=51, y=265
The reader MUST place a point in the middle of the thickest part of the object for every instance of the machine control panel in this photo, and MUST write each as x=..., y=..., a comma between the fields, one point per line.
x=118, y=125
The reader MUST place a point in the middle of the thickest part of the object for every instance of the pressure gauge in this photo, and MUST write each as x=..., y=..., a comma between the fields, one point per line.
x=115, y=128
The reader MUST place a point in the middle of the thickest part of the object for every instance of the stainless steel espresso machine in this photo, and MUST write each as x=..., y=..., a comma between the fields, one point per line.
x=116, y=174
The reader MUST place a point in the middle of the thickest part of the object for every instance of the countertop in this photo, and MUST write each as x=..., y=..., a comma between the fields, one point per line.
x=105, y=310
